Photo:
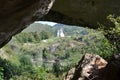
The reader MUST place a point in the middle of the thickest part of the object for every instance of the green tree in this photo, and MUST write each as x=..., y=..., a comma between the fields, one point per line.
x=44, y=35
x=39, y=73
x=113, y=33
x=25, y=60
x=37, y=37
x=56, y=68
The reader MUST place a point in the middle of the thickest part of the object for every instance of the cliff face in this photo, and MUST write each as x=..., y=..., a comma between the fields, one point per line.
x=84, y=12
x=16, y=14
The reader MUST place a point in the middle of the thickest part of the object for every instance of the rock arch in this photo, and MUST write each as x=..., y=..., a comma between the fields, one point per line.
x=15, y=15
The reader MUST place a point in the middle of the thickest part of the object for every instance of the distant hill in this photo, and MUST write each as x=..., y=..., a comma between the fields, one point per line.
x=37, y=27
x=58, y=25
x=72, y=30
x=68, y=30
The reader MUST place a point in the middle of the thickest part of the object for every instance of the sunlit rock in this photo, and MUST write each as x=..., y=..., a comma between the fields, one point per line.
x=88, y=68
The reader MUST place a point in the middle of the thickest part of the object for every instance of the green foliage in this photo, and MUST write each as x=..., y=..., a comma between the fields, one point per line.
x=36, y=58
x=51, y=76
x=56, y=68
x=32, y=37
x=1, y=73
x=9, y=69
x=25, y=71
x=37, y=74
x=112, y=33
x=44, y=35
x=96, y=43
x=40, y=73
x=25, y=60
x=28, y=37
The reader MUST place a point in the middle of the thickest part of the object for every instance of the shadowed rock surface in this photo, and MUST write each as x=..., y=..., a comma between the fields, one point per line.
x=112, y=70
x=15, y=15
x=84, y=12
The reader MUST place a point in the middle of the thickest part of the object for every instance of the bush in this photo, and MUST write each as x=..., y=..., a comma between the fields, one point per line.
x=9, y=69
x=56, y=68
x=37, y=74
x=1, y=73
x=113, y=33
x=25, y=60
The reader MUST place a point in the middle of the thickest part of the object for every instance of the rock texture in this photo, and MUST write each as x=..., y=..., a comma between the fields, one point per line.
x=88, y=68
x=93, y=67
x=84, y=12
x=112, y=70
x=15, y=15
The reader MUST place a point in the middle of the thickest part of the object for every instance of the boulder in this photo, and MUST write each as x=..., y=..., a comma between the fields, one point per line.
x=93, y=67
x=88, y=68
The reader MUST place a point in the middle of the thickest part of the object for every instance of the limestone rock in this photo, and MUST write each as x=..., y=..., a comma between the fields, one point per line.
x=15, y=15
x=88, y=68
x=70, y=74
x=84, y=12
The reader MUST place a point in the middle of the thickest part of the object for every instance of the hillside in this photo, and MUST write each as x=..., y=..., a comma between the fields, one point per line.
x=68, y=30
x=35, y=47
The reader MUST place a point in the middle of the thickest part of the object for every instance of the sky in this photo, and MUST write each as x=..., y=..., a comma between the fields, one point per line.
x=46, y=22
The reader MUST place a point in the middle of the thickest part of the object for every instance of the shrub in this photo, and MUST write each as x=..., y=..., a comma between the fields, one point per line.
x=1, y=73
x=9, y=69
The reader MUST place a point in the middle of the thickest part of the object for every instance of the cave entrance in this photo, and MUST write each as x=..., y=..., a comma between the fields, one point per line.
x=43, y=45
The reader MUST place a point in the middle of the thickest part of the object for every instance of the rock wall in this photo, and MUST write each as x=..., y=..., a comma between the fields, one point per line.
x=84, y=12
x=15, y=15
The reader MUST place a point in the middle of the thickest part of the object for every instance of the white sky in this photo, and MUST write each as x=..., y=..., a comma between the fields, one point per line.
x=46, y=22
